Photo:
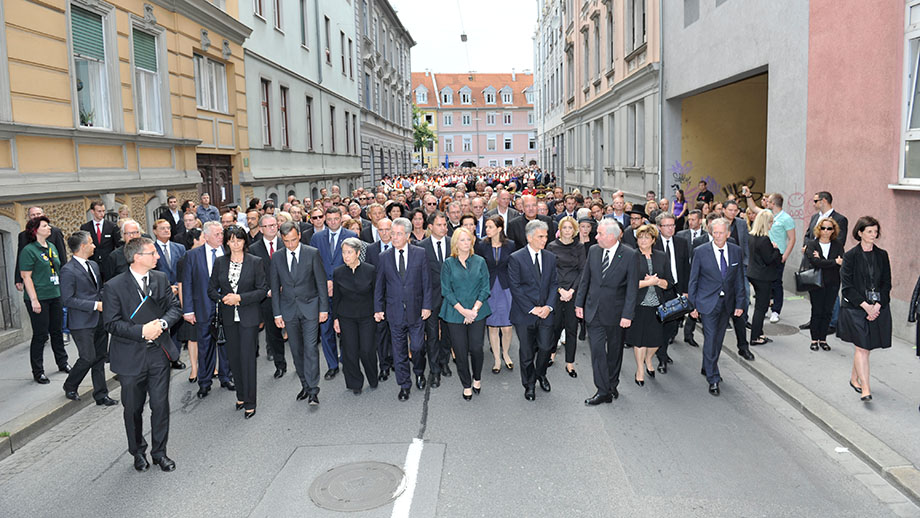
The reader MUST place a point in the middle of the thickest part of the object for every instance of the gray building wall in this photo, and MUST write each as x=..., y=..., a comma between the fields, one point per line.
x=548, y=86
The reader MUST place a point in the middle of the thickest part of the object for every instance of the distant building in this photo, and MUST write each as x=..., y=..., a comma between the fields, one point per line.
x=425, y=101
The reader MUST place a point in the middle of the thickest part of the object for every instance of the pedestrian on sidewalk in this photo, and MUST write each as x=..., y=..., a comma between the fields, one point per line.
x=913, y=312
x=764, y=257
x=865, y=315
x=782, y=233
x=825, y=254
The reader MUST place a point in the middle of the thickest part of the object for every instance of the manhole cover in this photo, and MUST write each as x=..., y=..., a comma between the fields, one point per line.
x=779, y=329
x=360, y=486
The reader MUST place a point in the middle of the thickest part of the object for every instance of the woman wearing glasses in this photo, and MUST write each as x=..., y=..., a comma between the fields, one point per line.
x=825, y=254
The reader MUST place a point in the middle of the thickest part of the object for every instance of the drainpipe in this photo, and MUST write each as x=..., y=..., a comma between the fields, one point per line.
x=661, y=179
x=319, y=74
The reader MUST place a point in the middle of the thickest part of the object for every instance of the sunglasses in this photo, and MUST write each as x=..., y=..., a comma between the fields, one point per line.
x=827, y=228
x=317, y=217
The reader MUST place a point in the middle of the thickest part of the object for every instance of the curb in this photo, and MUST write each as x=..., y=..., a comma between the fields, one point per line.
x=888, y=463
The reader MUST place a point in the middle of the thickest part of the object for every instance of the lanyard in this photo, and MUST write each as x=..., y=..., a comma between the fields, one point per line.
x=49, y=256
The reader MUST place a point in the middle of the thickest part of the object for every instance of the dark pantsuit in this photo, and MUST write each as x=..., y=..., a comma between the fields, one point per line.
x=357, y=344
x=384, y=346
x=761, y=304
x=153, y=378
x=535, y=344
x=822, y=308
x=47, y=323
x=210, y=354
x=274, y=339
x=404, y=336
x=467, y=343
x=776, y=288
x=606, y=356
x=436, y=345
x=241, y=345
x=92, y=345
x=327, y=337
x=564, y=319
x=302, y=338
x=714, y=326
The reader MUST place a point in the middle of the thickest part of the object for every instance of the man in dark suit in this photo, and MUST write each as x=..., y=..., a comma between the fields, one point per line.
x=382, y=330
x=265, y=248
x=570, y=208
x=504, y=208
x=824, y=207
x=403, y=295
x=198, y=308
x=477, y=206
x=300, y=302
x=138, y=308
x=370, y=233
x=738, y=234
x=694, y=228
x=169, y=253
x=105, y=234
x=606, y=299
x=174, y=217
x=437, y=249
x=534, y=290
x=678, y=253
x=619, y=207
x=116, y=263
x=81, y=294
x=317, y=224
x=329, y=244
x=516, y=229
x=637, y=217
x=56, y=238
x=716, y=291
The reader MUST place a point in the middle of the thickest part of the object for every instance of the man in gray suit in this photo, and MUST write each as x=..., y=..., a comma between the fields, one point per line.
x=300, y=304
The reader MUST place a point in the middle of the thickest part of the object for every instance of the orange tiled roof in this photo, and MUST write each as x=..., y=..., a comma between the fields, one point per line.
x=477, y=86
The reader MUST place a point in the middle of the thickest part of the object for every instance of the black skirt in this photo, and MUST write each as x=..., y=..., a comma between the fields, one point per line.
x=645, y=330
x=853, y=327
x=187, y=332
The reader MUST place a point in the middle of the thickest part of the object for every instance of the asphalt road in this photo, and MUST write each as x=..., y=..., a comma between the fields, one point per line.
x=665, y=449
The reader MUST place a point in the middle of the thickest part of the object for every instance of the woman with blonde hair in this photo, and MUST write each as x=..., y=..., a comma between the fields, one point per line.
x=764, y=259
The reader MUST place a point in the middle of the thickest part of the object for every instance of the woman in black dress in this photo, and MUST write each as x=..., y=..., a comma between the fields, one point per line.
x=570, y=261
x=826, y=254
x=353, y=306
x=238, y=284
x=865, y=313
x=646, y=334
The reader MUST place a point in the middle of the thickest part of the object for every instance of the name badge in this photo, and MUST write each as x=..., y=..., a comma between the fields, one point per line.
x=55, y=280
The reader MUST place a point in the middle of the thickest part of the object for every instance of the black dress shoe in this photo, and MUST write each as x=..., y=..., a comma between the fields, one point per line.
x=279, y=373
x=330, y=374
x=714, y=389
x=529, y=394
x=691, y=342
x=572, y=373
x=178, y=365
x=650, y=372
x=312, y=400
x=203, y=392
x=477, y=390
x=41, y=379
x=615, y=393
x=663, y=367
x=193, y=380
x=239, y=406
x=249, y=413
x=670, y=340
x=468, y=397
x=403, y=394
x=420, y=382
x=165, y=463
x=703, y=371
x=356, y=392
x=831, y=330
x=746, y=354
x=445, y=370
x=107, y=401
x=806, y=325
x=383, y=376
x=64, y=368
x=72, y=395
x=228, y=385
x=641, y=383
x=544, y=383
x=140, y=462
x=435, y=381
x=599, y=398
x=302, y=395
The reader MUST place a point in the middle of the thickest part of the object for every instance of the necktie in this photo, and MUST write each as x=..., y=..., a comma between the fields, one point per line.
x=385, y=247
x=667, y=248
x=293, y=261
x=271, y=248
x=92, y=276
x=166, y=254
x=145, y=286
x=536, y=262
x=332, y=241
x=402, y=264
x=723, y=266
x=213, y=260
x=98, y=232
x=606, y=262
x=693, y=235
x=440, y=255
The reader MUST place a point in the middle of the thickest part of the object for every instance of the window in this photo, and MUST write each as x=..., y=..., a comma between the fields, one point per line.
x=467, y=143
x=490, y=118
x=449, y=144
x=89, y=64
x=354, y=131
x=147, y=83
x=351, y=60
x=528, y=95
x=303, y=22
x=493, y=163
x=430, y=146
x=285, y=140
x=635, y=135
x=508, y=143
x=367, y=91
x=257, y=8
x=490, y=143
x=532, y=142
x=448, y=119
x=447, y=96
x=910, y=161
x=429, y=118
x=309, y=123
x=530, y=118
x=278, y=14
x=342, y=46
x=328, y=42
x=597, y=48
x=332, y=127
x=506, y=118
x=586, y=57
x=509, y=162
x=421, y=97
x=611, y=55
x=266, y=92
x=570, y=73
x=507, y=97
x=364, y=16
x=635, y=24
x=347, y=135
x=490, y=97
x=465, y=98
x=210, y=84
x=466, y=119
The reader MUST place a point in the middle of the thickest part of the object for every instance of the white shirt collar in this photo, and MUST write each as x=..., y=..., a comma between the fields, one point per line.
x=163, y=244
x=81, y=260
x=613, y=248
x=220, y=250
x=826, y=214
x=139, y=278
x=296, y=252
x=268, y=242
x=717, y=249
x=533, y=252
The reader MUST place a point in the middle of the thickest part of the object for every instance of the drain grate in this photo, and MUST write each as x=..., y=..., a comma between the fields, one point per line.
x=779, y=329
x=358, y=486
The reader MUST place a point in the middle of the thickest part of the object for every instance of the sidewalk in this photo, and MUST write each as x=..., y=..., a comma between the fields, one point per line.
x=882, y=432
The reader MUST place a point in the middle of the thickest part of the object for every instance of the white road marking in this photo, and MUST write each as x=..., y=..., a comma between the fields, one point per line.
x=403, y=503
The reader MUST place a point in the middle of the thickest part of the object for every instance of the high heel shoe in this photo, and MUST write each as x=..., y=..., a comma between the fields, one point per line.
x=509, y=365
x=641, y=383
x=477, y=390
x=866, y=398
x=650, y=372
x=249, y=413
x=193, y=380
x=468, y=397
x=496, y=370
x=857, y=389
x=239, y=406
x=572, y=373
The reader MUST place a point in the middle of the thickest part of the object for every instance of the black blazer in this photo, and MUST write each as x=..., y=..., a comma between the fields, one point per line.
x=496, y=268
x=367, y=235
x=914, y=308
x=661, y=265
x=615, y=290
x=353, y=292
x=830, y=270
x=434, y=267
x=528, y=290
x=854, y=277
x=251, y=288
x=517, y=225
x=682, y=258
x=629, y=238
x=258, y=249
x=764, y=259
x=79, y=294
x=111, y=239
x=120, y=298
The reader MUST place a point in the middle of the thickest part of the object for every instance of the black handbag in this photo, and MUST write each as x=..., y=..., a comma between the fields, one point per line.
x=216, y=327
x=810, y=279
x=674, y=309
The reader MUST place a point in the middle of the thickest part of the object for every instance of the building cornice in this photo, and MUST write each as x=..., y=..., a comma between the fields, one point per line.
x=395, y=19
x=12, y=129
x=209, y=16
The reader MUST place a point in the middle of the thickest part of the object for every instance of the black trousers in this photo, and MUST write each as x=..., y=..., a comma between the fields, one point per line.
x=606, y=355
x=564, y=318
x=762, y=291
x=384, y=345
x=535, y=344
x=274, y=340
x=437, y=342
x=93, y=346
x=670, y=331
x=242, y=342
x=822, y=307
x=356, y=341
x=153, y=379
x=49, y=322
x=689, y=328
x=467, y=342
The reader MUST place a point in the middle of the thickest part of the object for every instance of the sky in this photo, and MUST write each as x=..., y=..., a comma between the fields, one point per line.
x=499, y=34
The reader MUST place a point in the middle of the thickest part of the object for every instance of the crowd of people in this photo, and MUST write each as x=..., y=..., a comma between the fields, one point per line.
x=410, y=278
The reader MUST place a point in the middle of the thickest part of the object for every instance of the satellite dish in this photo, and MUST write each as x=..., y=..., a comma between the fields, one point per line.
x=463, y=37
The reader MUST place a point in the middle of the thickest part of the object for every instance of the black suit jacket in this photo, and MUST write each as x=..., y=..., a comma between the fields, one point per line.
x=682, y=258
x=251, y=288
x=662, y=268
x=434, y=267
x=529, y=290
x=111, y=239
x=367, y=235
x=830, y=270
x=854, y=277
x=629, y=238
x=403, y=299
x=57, y=238
x=764, y=259
x=79, y=294
x=519, y=236
x=841, y=220
x=293, y=293
x=122, y=298
x=614, y=290
x=373, y=251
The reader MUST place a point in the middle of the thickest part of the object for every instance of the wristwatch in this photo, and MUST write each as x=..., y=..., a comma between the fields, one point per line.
x=163, y=325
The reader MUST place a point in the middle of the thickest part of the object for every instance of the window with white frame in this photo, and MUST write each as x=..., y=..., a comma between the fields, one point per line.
x=493, y=163
x=490, y=97
x=343, y=48
x=635, y=134
x=585, y=57
x=466, y=119
x=277, y=14
x=635, y=24
x=508, y=143
x=351, y=60
x=91, y=76
x=528, y=95
x=467, y=143
x=507, y=119
x=509, y=162
x=532, y=142
x=429, y=118
x=449, y=144
x=147, y=83
x=490, y=143
x=597, y=47
x=910, y=168
x=530, y=118
x=257, y=8
x=309, y=123
x=611, y=55
x=328, y=26
x=266, y=95
x=447, y=96
x=421, y=96
x=490, y=118
x=210, y=84
x=303, y=22
x=507, y=96
x=285, y=137
x=448, y=119
x=466, y=97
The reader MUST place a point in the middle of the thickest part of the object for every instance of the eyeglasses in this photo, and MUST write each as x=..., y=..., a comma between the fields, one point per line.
x=317, y=217
x=146, y=253
x=430, y=203
x=827, y=228
x=816, y=201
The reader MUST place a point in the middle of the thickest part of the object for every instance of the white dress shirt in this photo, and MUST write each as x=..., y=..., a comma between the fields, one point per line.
x=85, y=265
x=405, y=255
x=289, y=254
x=208, y=254
x=668, y=244
x=444, y=249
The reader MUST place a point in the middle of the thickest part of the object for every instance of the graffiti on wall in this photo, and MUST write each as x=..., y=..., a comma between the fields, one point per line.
x=680, y=174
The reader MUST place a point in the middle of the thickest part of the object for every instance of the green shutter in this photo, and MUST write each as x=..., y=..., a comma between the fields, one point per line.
x=88, y=39
x=145, y=51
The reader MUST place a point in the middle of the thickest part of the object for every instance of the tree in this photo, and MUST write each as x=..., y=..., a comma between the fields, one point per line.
x=423, y=134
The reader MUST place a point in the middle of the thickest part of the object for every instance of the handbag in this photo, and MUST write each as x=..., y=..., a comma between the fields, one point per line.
x=807, y=280
x=216, y=327
x=674, y=309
